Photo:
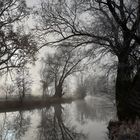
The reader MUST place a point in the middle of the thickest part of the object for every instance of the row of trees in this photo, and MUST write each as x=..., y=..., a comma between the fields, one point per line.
x=19, y=87
x=99, y=85
x=17, y=46
x=108, y=26
x=104, y=26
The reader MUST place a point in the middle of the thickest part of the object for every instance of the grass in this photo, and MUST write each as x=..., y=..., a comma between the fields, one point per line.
x=124, y=130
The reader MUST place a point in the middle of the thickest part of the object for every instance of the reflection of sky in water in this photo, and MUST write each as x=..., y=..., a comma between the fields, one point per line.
x=94, y=129
x=10, y=135
x=83, y=120
x=91, y=117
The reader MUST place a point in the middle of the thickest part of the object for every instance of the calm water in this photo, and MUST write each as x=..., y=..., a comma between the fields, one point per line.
x=81, y=120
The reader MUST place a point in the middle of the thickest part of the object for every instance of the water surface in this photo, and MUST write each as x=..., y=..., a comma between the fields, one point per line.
x=81, y=120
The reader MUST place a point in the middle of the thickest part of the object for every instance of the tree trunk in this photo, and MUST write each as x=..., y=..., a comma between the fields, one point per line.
x=136, y=82
x=134, y=96
x=59, y=91
x=123, y=84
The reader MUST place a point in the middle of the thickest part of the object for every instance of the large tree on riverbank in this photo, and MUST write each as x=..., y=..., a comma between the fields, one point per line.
x=107, y=25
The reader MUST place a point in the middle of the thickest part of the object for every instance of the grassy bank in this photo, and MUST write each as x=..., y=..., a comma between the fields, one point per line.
x=13, y=105
x=124, y=130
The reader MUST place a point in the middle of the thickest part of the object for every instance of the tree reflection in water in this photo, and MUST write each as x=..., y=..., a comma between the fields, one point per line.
x=80, y=120
x=52, y=126
x=94, y=109
x=14, y=125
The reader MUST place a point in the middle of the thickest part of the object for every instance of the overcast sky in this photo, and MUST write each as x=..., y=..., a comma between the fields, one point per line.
x=32, y=2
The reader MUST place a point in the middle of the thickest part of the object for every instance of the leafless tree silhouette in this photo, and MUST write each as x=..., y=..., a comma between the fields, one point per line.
x=108, y=26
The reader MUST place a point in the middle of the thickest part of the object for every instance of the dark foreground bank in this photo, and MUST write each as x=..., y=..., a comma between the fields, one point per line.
x=124, y=130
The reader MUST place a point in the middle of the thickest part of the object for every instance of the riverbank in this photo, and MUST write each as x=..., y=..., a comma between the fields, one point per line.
x=124, y=130
x=13, y=105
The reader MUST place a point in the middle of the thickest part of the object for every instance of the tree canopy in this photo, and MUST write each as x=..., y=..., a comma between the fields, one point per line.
x=63, y=63
x=16, y=46
x=110, y=26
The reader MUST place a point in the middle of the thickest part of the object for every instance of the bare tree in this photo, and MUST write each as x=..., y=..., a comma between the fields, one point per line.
x=111, y=27
x=45, y=86
x=7, y=89
x=23, y=83
x=60, y=65
x=16, y=46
